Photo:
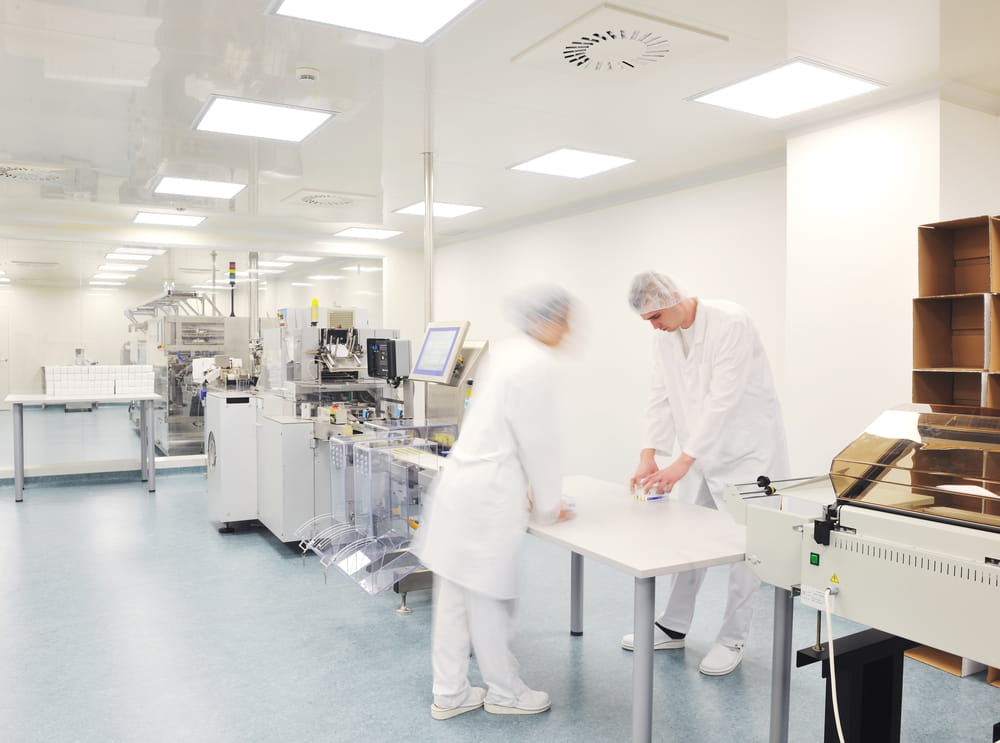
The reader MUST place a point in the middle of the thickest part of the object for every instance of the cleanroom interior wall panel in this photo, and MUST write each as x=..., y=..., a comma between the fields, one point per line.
x=723, y=240
x=857, y=190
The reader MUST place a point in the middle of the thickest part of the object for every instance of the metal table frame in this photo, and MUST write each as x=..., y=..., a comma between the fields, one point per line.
x=644, y=540
x=147, y=436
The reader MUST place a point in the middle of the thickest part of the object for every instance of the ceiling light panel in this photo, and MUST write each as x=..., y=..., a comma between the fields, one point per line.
x=125, y=276
x=325, y=278
x=141, y=251
x=107, y=283
x=225, y=115
x=572, y=163
x=168, y=220
x=367, y=233
x=796, y=86
x=441, y=209
x=400, y=19
x=194, y=187
x=274, y=264
x=119, y=267
x=127, y=257
x=299, y=258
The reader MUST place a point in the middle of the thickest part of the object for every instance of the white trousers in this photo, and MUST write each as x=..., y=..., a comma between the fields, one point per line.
x=743, y=584
x=464, y=620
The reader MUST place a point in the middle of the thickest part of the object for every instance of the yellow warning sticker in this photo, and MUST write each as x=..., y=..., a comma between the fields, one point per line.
x=834, y=578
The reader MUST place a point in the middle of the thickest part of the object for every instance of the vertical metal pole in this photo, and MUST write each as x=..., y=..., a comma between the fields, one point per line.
x=253, y=270
x=642, y=661
x=150, y=445
x=576, y=594
x=428, y=237
x=781, y=665
x=17, y=410
x=143, y=433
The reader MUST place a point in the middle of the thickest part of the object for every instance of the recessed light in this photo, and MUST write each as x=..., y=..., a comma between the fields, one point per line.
x=300, y=258
x=195, y=187
x=795, y=86
x=107, y=283
x=4, y=280
x=400, y=19
x=168, y=220
x=273, y=264
x=325, y=278
x=226, y=115
x=119, y=267
x=141, y=251
x=113, y=275
x=127, y=257
x=572, y=163
x=299, y=283
x=368, y=233
x=441, y=209
x=363, y=269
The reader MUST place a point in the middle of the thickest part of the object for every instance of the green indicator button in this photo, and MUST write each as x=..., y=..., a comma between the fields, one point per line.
x=814, y=558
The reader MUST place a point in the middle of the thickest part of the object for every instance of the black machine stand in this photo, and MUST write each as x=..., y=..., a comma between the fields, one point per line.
x=869, y=685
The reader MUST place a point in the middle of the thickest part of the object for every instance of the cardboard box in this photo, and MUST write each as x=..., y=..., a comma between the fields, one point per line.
x=950, y=333
x=948, y=388
x=954, y=257
x=953, y=664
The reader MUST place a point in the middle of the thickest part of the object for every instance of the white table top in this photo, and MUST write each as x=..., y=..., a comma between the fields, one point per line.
x=639, y=538
x=60, y=399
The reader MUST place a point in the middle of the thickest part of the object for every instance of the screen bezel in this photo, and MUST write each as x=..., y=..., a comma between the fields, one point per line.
x=444, y=377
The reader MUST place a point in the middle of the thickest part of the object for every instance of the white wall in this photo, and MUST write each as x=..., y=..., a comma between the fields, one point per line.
x=47, y=324
x=723, y=240
x=970, y=162
x=857, y=191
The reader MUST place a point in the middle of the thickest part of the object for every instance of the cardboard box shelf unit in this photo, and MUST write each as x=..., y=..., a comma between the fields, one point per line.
x=956, y=317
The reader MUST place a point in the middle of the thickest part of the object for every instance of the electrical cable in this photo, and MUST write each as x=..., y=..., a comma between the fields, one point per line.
x=833, y=670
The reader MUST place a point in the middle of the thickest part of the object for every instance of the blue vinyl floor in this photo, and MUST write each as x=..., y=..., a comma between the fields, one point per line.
x=126, y=616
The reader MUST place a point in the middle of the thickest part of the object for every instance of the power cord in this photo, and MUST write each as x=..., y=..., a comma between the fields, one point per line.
x=833, y=669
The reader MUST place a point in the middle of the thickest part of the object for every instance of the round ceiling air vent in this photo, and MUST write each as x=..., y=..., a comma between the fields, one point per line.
x=327, y=200
x=616, y=50
x=30, y=174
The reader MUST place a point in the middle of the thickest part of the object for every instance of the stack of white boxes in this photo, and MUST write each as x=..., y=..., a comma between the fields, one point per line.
x=136, y=379
x=98, y=379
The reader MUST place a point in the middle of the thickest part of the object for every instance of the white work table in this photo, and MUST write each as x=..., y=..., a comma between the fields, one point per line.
x=644, y=540
x=147, y=449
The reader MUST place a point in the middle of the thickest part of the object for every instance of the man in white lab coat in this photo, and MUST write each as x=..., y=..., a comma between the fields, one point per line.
x=713, y=395
x=503, y=470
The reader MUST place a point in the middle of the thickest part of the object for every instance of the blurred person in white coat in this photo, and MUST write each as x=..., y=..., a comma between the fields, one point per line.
x=713, y=395
x=503, y=470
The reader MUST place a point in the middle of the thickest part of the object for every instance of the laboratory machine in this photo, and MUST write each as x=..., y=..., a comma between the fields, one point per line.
x=173, y=331
x=902, y=536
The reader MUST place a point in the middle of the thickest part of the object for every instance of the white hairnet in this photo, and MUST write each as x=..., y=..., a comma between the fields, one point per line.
x=651, y=291
x=532, y=306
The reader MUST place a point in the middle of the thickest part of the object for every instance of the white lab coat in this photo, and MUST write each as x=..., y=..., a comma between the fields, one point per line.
x=719, y=403
x=474, y=524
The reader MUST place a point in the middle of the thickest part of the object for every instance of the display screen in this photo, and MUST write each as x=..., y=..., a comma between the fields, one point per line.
x=437, y=349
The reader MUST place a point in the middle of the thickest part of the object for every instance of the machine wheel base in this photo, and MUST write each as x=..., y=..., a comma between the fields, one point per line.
x=226, y=529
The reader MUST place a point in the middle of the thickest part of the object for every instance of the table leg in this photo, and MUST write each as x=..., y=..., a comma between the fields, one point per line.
x=17, y=411
x=143, y=466
x=642, y=661
x=781, y=665
x=150, y=444
x=576, y=594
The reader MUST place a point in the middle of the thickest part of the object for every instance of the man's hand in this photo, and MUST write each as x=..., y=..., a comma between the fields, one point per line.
x=663, y=481
x=647, y=466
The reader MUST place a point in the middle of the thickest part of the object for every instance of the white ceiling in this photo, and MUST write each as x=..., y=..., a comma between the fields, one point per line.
x=98, y=98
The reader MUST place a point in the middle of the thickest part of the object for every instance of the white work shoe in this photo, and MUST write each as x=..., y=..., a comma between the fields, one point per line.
x=661, y=640
x=721, y=660
x=473, y=700
x=528, y=702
